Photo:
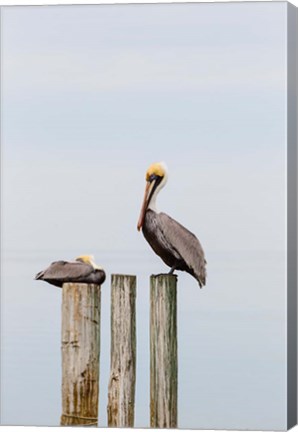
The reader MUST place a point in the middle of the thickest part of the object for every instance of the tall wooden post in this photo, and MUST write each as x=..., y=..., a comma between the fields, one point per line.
x=163, y=351
x=80, y=353
x=121, y=393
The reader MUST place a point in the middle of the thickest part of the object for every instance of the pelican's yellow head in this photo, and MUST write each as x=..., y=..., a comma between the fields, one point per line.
x=156, y=178
x=88, y=259
x=157, y=169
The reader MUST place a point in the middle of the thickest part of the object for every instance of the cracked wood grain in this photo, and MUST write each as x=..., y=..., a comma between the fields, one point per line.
x=121, y=391
x=80, y=347
x=163, y=351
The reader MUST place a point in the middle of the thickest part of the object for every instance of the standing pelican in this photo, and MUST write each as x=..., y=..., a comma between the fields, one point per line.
x=82, y=270
x=176, y=246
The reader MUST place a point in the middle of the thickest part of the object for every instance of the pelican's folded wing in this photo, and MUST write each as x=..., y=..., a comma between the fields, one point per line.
x=65, y=271
x=186, y=244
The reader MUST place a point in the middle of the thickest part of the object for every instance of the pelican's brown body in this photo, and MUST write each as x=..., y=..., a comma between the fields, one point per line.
x=82, y=270
x=177, y=246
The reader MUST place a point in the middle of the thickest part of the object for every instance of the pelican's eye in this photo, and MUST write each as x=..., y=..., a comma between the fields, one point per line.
x=154, y=177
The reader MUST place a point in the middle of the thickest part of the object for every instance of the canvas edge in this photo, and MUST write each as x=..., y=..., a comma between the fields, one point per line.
x=1, y=215
x=292, y=33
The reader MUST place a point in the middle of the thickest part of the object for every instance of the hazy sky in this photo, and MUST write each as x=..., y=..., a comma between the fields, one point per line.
x=91, y=96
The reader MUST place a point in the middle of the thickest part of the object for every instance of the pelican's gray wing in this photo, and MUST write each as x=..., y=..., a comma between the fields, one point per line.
x=65, y=271
x=185, y=244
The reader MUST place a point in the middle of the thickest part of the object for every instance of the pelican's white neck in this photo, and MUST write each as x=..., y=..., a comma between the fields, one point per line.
x=152, y=203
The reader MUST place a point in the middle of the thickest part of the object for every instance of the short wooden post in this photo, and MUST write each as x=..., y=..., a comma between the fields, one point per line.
x=121, y=393
x=80, y=353
x=163, y=351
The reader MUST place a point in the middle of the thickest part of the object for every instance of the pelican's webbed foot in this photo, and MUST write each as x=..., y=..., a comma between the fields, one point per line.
x=161, y=274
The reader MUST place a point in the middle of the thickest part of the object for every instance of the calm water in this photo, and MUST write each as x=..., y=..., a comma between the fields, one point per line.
x=231, y=340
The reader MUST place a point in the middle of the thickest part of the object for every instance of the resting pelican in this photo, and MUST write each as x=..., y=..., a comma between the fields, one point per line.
x=83, y=270
x=176, y=246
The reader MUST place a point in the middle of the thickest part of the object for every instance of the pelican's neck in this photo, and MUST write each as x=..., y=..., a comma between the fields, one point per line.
x=152, y=203
x=95, y=266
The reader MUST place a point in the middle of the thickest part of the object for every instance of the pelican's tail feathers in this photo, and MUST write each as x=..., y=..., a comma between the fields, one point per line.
x=201, y=281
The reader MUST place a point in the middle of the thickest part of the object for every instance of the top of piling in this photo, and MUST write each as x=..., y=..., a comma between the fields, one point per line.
x=164, y=276
x=80, y=284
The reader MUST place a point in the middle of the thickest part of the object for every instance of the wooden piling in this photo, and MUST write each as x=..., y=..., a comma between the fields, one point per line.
x=121, y=392
x=163, y=351
x=80, y=353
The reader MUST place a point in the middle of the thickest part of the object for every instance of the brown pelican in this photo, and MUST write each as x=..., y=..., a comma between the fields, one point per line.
x=82, y=270
x=176, y=246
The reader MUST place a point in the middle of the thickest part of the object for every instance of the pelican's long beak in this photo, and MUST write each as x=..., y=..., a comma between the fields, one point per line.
x=148, y=189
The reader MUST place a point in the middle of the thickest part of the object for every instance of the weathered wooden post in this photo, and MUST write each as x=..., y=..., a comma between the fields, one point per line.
x=163, y=351
x=80, y=353
x=121, y=393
